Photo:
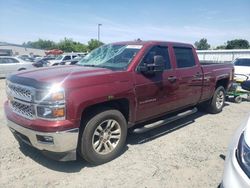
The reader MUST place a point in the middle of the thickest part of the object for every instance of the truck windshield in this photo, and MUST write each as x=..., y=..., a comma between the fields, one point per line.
x=242, y=62
x=112, y=56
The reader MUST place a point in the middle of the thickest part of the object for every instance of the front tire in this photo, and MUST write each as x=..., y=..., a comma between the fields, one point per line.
x=103, y=137
x=218, y=100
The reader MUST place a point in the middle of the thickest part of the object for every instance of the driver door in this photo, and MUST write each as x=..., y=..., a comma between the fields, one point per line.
x=155, y=92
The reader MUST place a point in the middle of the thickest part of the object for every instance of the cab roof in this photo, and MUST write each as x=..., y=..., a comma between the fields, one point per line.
x=152, y=42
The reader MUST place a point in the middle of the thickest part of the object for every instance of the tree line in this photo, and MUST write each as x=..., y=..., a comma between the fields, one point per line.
x=69, y=45
x=66, y=45
x=202, y=44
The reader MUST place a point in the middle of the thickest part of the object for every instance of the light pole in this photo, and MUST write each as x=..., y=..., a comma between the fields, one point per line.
x=99, y=25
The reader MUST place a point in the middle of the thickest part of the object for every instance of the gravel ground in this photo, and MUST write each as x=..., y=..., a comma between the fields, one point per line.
x=185, y=153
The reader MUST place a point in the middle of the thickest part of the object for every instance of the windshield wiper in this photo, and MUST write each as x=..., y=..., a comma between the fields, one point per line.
x=88, y=65
x=91, y=65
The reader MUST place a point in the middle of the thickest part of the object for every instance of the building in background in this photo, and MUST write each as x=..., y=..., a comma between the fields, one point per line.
x=222, y=55
x=15, y=49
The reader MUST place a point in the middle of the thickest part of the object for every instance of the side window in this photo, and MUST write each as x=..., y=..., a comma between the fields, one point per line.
x=74, y=56
x=184, y=57
x=158, y=50
x=67, y=57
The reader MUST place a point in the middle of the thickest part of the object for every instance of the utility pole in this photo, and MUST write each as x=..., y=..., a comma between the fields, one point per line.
x=99, y=25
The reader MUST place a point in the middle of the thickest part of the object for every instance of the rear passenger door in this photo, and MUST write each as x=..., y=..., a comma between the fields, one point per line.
x=189, y=75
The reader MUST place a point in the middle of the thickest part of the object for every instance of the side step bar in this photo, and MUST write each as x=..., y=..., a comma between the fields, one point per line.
x=159, y=123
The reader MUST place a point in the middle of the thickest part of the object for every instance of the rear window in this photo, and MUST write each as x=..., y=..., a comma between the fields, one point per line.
x=242, y=62
x=184, y=57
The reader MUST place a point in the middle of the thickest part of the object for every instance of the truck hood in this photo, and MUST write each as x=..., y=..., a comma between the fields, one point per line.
x=68, y=76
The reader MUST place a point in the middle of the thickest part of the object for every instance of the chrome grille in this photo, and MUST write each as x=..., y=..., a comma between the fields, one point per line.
x=19, y=91
x=22, y=109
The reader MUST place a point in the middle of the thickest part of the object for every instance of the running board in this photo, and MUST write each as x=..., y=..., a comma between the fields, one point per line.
x=159, y=123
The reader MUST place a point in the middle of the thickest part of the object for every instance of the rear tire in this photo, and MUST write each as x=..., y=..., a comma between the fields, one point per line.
x=218, y=100
x=103, y=137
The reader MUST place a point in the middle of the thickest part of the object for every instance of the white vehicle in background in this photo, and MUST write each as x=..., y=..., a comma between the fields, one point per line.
x=242, y=66
x=64, y=58
x=9, y=64
x=237, y=164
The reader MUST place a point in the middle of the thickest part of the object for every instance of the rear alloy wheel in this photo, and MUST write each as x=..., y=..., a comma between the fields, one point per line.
x=218, y=100
x=103, y=137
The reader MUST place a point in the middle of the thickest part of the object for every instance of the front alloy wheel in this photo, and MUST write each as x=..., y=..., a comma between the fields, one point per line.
x=106, y=136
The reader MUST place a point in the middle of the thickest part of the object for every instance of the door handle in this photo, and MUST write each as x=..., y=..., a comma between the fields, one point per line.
x=172, y=79
x=197, y=75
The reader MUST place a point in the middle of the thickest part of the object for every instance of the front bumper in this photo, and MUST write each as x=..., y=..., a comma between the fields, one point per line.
x=62, y=143
x=233, y=175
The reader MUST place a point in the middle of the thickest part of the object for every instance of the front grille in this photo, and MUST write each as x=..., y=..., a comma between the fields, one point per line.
x=22, y=109
x=19, y=91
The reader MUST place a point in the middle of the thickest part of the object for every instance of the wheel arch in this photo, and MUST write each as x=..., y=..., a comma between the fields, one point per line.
x=222, y=82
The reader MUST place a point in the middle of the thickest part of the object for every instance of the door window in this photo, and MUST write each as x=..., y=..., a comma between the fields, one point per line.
x=158, y=50
x=184, y=57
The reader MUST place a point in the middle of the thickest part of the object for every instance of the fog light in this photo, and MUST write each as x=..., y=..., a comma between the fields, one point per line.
x=50, y=112
x=45, y=139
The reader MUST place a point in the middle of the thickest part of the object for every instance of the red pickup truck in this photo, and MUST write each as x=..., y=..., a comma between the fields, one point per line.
x=87, y=108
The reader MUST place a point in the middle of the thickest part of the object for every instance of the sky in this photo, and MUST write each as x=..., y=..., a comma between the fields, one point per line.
x=168, y=20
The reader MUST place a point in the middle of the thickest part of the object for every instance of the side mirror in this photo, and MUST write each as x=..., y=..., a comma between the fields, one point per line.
x=152, y=68
x=158, y=63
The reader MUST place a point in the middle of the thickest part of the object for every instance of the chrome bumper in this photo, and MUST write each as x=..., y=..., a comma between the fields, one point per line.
x=63, y=141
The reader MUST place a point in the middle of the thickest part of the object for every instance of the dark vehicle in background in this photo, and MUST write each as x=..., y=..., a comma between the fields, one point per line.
x=43, y=62
x=87, y=108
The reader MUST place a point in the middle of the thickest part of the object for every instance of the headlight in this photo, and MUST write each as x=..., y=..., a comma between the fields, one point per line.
x=243, y=155
x=54, y=94
x=51, y=103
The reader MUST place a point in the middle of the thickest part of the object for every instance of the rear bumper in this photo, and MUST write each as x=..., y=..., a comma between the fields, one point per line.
x=59, y=143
